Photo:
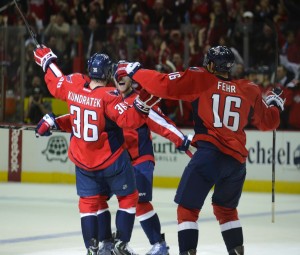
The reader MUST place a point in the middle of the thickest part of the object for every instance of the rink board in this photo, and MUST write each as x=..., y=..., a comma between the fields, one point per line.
x=24, y=158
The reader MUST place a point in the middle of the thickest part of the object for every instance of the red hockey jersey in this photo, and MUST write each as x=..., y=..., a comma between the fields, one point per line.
x=139, y=141
x=97, y=117
x=221, y=108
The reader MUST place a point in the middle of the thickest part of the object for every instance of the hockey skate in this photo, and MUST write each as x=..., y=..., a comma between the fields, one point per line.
x=159, y=248
x=239, y=250
x=93, y=249
x=105, y=247
x=122, y=248
x=190, y=252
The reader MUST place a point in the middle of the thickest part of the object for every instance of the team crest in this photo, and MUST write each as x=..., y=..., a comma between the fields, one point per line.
x=114, y=92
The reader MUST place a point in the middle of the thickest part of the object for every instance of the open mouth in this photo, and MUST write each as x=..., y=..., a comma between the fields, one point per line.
x=121, y=83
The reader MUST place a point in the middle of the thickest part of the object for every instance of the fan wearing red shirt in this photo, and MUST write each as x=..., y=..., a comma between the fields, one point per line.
x=221, y=108
x=97, y=148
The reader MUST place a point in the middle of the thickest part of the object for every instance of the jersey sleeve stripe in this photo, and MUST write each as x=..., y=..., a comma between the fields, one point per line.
x=55, y=70
x=154, y=116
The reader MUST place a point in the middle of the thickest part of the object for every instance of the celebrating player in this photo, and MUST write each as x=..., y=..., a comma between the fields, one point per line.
x=222, y=108
x=97, y=148
x=140, y=148
x=139, y=144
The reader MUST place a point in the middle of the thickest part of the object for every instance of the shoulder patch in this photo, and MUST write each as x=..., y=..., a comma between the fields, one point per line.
x=69, y=78
x=195, y=69
x=252, y=83
x=113, y=92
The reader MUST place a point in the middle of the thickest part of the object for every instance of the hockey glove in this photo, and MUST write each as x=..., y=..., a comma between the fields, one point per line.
x=144, y=101
x=44, y=56
x=186, y=145
x=275, y=98
x=45, y=124
x=126, y=69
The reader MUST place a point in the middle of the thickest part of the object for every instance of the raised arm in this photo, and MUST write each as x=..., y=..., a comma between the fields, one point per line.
x=178, y=85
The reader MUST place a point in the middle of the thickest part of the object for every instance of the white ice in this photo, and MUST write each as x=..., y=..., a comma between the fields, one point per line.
x=43, y=219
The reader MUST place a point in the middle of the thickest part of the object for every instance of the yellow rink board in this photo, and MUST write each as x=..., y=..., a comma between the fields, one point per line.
x=161, y=182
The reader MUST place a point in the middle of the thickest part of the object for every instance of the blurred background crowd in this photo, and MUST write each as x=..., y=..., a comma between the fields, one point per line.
x=166, y=35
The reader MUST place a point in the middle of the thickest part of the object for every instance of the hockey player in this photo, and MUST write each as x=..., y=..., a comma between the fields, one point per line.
x=139, y=144
x=222, y=108
x=140, y=148
x=96, y=148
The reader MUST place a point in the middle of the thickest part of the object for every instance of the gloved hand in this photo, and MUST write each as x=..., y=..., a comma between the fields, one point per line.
x=186, y=145
x=144, y=101
x=275, y=98
x=44, y=126
x=126, y=69
x=44, y=56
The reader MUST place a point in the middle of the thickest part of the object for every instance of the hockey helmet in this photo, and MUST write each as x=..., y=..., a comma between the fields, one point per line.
x=221, y=56
x=100, y=67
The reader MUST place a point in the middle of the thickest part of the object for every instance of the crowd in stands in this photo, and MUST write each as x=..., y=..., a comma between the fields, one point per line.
x=169, y=36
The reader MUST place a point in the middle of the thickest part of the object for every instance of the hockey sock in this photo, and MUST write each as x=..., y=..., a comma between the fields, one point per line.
x=232, y=237
x=188, y=239
x=104, y=225
x=124, y=224
x=230, y=226
x=89, y=227
x=149, y=221
x=151, y=227
x=187, y=228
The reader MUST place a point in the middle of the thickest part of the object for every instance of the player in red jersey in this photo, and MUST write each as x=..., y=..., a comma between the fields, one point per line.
x=140, y=148
x=97, y=148
x=139, y=144
x=222, y=108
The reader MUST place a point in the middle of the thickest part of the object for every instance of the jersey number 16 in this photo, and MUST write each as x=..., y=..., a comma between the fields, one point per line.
x=227, y=114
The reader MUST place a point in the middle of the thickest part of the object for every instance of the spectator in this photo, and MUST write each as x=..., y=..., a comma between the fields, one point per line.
x=37, y=106
x=161, y=18
x=245, y=30
x=118, y=14
x=59, y=28
x=94, y=38
x=153, y=49
x=294, y=105
x=238, y=72
x=197, y=48
x=283, y=77
x=178, y=61
x=218, y=24
x=264, y=10
x=199, y=13
x=140, y=22
x=175, y=43
x=265, y=48
x=291, y=48
x=293, y=12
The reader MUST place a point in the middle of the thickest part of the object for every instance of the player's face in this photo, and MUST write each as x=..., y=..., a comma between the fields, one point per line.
x=124, y=85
